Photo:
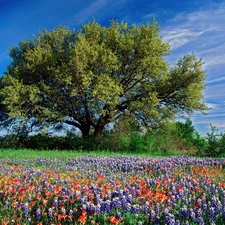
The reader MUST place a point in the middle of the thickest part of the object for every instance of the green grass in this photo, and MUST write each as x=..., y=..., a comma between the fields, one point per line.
x=30, y=154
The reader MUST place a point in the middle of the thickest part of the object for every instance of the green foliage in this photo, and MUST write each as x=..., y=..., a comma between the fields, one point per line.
x=10, y=141
x=215, y=142
x=187, y=132
x=89, y=78
x=172, y=138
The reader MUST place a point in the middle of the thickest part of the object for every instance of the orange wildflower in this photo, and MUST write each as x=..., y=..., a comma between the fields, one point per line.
x=82, y=219
x=5, y=222
x=84, y=213
x=113, y=220
x=62, y=216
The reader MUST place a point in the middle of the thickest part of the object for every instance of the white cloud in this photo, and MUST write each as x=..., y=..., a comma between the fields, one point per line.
x=97, y=9
x=214, y=92
x=150, y=15
x=89, y=11
x=178, y=37
x=216, y=80
x=201, y=31
x=214, y=55
x=212, y=105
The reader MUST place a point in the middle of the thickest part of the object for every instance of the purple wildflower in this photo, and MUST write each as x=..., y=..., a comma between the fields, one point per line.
x=50, y=212
x=38, y=214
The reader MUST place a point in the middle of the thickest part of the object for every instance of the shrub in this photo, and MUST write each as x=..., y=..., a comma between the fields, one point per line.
x=216, y=142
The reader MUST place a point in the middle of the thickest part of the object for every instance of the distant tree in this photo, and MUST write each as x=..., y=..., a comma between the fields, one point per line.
x=90, y=77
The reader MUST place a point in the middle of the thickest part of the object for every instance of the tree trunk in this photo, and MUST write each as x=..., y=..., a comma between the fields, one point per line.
x=103, y=120
x=98, y=130
x=85, y=130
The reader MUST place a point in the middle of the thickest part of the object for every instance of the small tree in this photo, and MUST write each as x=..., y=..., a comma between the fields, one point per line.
x=215, y=141
x=89, y=78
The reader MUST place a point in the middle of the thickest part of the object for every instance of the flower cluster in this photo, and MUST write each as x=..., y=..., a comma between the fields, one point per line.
x=112, y=190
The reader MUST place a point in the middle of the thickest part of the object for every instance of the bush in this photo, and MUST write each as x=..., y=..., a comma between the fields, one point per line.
x=215, y=143
x=172, y=138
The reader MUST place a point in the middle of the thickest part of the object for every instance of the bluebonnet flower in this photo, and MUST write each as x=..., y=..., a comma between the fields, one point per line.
x=192, y=215
x=170, y=219
x=136, y=209
x=50, y=212
x=38, y=214
x=71, y=213
x=56, y=202
x=184, y=212
x=216, y=204
x=146, y=207
x=166, y=211
x=173, y=198
x=115, y=203
x=132, y=192
x=128, y=207
x=138, y=192
x=98, y=208
x=177, y=222
x=105, y=207
x=84, y=207
x=199, y=212
x=204, y=207
x=213, y=187
x=201, y=221
x=129, y=198
x=6, y=202
x=84, y=199
x=212, y=214
x=152, y=215
x=123, y=202
x=29, y=198
x=168, y=202
x=98, y=199
x=25, y=209
x=199, y=203
x=118, y=215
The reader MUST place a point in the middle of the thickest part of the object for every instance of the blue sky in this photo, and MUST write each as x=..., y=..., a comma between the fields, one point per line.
x=189, y=26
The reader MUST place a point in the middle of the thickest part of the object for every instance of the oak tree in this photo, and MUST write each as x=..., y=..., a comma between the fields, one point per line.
x=91, y=77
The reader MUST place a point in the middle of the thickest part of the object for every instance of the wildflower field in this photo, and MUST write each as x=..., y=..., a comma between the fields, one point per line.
x=112, y=190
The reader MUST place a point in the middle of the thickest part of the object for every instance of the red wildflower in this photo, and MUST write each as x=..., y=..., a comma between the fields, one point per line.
x=113, y=220
x=62, y=216
x=5, y=222
x=82, y=219
x=84, y=213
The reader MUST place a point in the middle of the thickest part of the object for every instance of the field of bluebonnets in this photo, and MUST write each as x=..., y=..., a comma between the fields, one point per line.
x=112, y=190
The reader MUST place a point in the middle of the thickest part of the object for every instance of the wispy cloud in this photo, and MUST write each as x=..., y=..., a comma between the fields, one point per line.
x=215, y=117
x=212, y=105
x=215, y=92
x=203, y=32
x=179, y=36
x=216, y=80
x=150, y=15
x=89, y=12
x=200, y=29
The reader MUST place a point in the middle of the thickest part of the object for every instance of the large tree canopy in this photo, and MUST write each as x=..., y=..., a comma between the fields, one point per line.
x=91, y=77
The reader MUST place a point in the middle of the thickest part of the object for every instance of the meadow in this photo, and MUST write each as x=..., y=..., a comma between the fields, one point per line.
x=58, y=187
